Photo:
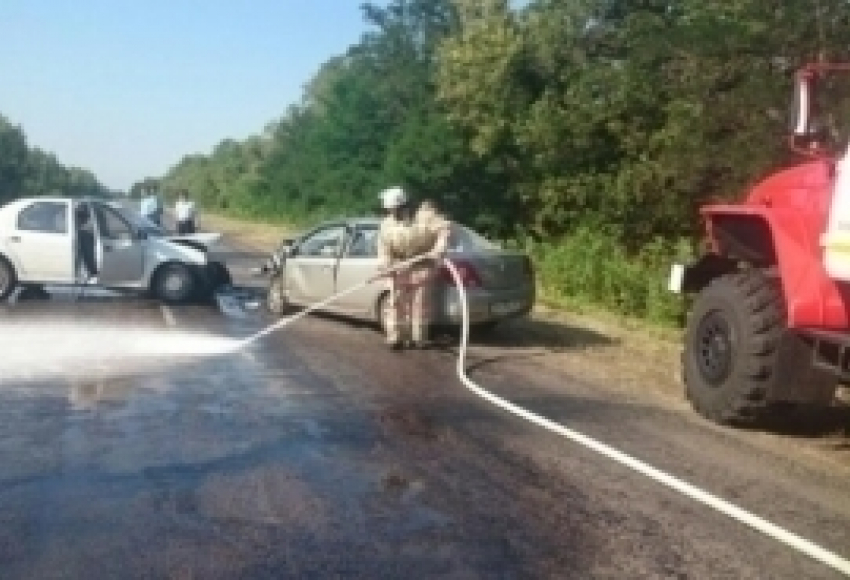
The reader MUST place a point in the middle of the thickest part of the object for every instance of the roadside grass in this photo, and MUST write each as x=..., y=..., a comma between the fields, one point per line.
x=591, y=271
x=254, y=234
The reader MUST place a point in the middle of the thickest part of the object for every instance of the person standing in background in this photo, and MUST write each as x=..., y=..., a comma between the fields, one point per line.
x=151, y=207
x=184, y=213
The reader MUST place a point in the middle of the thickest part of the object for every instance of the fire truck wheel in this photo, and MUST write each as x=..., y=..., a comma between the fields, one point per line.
x=731, y=347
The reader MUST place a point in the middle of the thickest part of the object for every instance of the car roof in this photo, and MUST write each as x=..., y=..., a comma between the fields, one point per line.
x=59, y=198
x=365, y=221
x=348, y=221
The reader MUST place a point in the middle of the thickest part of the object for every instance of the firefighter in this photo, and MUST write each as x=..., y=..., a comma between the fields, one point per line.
x=404, y=235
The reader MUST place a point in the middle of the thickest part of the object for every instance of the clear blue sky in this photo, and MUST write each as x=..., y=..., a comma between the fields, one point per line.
x=127, y=87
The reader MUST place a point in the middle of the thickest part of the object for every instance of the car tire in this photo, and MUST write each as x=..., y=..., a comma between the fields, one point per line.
x=8, y=279
x=276, y=299
x=174, y=283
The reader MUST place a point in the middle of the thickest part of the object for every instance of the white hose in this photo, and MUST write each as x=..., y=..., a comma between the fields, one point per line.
x=322, y=303
x=767, y=528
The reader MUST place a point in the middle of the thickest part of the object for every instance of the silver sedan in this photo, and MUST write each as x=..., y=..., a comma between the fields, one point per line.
x=338, y=255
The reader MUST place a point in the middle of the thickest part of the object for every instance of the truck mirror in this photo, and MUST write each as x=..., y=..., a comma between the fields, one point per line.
x=802, y=107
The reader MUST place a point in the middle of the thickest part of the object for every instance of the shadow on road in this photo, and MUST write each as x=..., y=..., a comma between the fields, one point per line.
x=813, y=423
x=528, y=333
x=532, y=332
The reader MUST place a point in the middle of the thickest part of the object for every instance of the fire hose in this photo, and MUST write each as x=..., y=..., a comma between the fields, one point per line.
x=745, y=517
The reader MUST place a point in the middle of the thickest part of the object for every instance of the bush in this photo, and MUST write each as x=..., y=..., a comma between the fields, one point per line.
x=591, y=267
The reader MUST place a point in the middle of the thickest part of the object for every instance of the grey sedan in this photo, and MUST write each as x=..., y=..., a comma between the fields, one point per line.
x=337, y=255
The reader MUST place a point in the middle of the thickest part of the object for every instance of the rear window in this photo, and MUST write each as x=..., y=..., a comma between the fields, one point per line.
x=463, y=239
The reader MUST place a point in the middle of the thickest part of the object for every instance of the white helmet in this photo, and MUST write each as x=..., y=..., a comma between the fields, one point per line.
x=393, y=198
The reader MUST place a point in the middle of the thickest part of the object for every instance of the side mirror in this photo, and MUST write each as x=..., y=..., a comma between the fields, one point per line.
x=802, y=107
x=141, y=235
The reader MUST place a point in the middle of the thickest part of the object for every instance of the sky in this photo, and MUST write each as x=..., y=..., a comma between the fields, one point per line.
x=126, y=88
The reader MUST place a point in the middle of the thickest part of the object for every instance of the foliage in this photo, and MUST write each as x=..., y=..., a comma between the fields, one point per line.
x=26, y=171
x=591, y=130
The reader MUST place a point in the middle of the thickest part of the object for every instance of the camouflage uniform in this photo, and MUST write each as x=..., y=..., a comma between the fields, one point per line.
x=412, y=288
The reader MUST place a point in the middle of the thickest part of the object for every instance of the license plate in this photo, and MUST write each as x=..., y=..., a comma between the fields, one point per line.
x=502, y=308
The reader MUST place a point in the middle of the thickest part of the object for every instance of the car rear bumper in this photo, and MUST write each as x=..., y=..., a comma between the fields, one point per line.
x=485, y=306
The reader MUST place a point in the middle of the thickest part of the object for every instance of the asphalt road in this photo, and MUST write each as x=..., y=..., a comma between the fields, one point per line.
x=318, y=453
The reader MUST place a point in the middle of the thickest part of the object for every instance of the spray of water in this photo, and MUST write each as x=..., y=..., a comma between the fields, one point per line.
x=37, y=350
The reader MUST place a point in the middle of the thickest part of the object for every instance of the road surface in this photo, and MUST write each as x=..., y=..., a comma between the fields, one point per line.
x=319, y=453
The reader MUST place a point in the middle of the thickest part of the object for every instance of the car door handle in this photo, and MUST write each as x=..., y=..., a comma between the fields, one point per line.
x=107, y=248
x=14, y=238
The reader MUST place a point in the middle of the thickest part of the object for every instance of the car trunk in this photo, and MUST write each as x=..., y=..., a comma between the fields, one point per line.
x=501, y=271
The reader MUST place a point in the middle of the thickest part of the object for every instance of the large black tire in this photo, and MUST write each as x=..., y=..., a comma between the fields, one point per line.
x=731, y=347
x=276, y=299
x=8, y=279
x=174, y=283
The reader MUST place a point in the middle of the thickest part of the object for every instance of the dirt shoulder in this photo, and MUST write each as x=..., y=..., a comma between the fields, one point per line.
x=253, y=235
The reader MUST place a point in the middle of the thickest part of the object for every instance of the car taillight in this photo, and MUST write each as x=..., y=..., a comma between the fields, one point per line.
x=468, y=274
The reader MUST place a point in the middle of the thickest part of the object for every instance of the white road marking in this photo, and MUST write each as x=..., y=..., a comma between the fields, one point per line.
x=168, y=315
x=767, y=528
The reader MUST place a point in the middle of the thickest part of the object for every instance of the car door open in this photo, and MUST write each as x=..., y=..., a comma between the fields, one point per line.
x=120, y=250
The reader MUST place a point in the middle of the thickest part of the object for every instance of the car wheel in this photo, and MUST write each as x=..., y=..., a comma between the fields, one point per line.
x=8, y=279
x=174, y=283
x=276, y=300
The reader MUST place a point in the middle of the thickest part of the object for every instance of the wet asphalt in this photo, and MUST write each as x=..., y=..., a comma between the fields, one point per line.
x=318, y=453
